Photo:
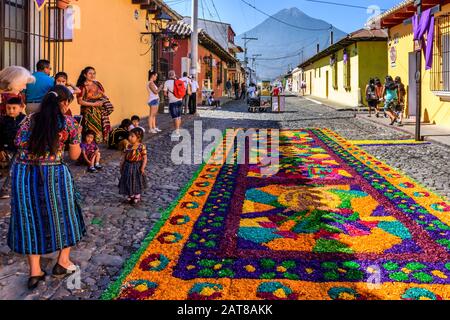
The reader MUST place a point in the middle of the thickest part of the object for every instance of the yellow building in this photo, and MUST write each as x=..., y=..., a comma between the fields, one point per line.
x=113, y=36
x=341, y=72
x=406, y=57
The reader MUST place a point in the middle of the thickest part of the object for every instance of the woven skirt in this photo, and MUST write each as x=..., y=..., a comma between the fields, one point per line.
x=46, y=214
x=132, y=182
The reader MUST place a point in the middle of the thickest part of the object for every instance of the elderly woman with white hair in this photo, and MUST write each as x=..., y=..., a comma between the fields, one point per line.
x=13, y=80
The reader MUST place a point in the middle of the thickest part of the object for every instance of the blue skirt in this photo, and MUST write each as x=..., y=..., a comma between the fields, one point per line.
x=46, y=214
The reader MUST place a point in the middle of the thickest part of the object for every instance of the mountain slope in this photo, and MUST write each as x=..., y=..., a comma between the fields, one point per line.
x=277, y=40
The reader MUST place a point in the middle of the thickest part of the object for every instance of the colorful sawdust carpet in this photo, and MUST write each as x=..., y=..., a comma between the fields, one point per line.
x=333, y=223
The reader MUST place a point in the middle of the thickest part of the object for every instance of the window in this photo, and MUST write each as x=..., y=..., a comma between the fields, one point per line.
x=347, y=71
x=440, y=72
x=27, y=34
x=62, y=24
x=334, y=74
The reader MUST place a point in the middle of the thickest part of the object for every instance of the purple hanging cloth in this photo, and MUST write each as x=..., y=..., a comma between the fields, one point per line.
x=421, y=26
x=40, y=3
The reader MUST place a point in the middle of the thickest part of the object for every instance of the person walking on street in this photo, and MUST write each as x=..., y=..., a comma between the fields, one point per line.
x=243, y=91
x=371, y=96
x=175, y=101
x=390, y=94
x=193, y=98
x=401, y=99
x=36, y=91
x=46, y=214
x=236, y=89
x=379, y=90
x=228, y=87
x=303, y=87
x=188, y=86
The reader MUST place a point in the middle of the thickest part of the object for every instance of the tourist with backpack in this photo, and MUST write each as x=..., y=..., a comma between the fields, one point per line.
x=371, y=96
x=188, y=84
x=175, y=90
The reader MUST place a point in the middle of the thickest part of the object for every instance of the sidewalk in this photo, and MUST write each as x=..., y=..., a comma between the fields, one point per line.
x=334, y=105
x=429, y=132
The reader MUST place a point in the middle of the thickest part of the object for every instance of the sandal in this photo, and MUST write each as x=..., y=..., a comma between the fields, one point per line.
x=33, y=282
x=60, y=271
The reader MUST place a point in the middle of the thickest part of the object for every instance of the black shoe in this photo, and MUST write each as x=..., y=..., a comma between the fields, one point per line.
x=33, y=282
x=4, y=195
x=92, y=170
x=99, y=167
x=60, y=271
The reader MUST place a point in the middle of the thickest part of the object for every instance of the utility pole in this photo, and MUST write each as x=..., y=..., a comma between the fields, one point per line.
x=253, y=64
x=246, y=41
x=418, y=4
x=194, y=38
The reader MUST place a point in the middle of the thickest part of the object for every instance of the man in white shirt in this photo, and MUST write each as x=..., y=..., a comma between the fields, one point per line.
x=175, y=104
x=193, y=98
x=188, y=86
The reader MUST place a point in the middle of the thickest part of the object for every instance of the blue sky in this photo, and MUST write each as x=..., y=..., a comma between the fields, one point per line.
x=244, y=18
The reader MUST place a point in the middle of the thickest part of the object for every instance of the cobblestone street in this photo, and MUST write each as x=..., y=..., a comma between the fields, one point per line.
x=116, y=230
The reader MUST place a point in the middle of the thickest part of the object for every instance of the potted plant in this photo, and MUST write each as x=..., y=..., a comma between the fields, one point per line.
x=166, y=42
x=63, y=4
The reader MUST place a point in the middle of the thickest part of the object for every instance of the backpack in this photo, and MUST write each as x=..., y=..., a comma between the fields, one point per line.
x=179, y=89
x=372, y=94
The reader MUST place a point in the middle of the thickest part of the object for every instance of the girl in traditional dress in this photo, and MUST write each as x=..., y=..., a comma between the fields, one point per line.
x=133, y=179
x=46, y=214
x=95, y=105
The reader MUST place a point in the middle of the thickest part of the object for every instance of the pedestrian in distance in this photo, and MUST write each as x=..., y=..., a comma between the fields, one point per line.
x=390, y=94
x=187, y=96
x=379, y=90
x=401, y=100
x=153, y=101
x=236, y=89
x=193, y=98
x=371, y=96
x=243, y=91
x=175, y=91
x=228, y=86
x=133, y=180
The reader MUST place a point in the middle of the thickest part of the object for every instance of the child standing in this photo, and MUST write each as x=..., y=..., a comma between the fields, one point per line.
x=90, y=153
x=9, y=126
x=135, y=120
x=133, y=179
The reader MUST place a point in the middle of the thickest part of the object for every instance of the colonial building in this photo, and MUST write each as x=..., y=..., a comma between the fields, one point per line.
x=406, y=58
x=118, y=38
x=224, y=35
x=213, y=58
x=340, y=72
